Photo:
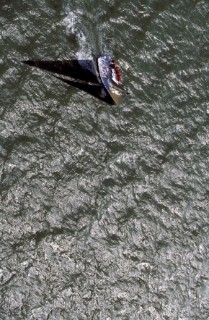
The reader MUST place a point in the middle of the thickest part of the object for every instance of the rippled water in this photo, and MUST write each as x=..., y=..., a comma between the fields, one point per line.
x=104, y=210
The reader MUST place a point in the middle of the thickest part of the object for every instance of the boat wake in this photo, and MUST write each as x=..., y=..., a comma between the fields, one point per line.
x=74, y=26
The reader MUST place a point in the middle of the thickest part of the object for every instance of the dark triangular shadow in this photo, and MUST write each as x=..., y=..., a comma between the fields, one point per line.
x=97, y=91
x=83, y=70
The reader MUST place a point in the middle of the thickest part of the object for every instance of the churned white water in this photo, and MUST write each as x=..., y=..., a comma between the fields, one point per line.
x=73, y=25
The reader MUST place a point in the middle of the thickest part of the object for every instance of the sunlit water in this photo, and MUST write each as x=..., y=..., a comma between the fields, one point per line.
x=104, y=210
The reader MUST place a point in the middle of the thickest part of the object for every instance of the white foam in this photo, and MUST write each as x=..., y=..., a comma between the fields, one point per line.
x=70, y=23
x=73, y=25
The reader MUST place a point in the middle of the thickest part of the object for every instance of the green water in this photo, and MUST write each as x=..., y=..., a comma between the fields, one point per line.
x=103, y=209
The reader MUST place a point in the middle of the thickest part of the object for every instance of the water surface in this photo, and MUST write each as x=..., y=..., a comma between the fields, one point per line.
x=104, y=210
